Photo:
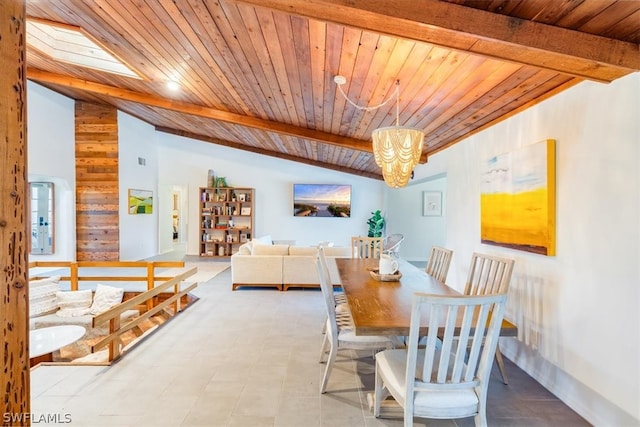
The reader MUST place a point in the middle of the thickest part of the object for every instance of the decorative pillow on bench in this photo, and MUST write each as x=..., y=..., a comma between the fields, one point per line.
x=42, y=296
x=79, y=303
x=105, y=298
x=74, y=303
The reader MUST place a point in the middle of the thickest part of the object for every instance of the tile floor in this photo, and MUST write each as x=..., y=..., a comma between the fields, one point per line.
x=250, y=358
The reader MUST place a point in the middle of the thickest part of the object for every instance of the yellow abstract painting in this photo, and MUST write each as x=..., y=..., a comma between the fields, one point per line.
x=517, y=200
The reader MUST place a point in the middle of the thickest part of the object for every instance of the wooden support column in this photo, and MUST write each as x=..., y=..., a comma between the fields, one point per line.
x=97, y=186
x=14, y=349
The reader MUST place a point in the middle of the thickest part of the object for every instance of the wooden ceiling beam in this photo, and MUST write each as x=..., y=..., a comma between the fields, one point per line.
x=264, y=152
x=201, y=111
x=476, y=31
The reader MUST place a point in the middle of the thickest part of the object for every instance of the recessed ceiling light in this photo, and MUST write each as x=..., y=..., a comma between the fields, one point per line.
x=173, y=85
x=69, y=44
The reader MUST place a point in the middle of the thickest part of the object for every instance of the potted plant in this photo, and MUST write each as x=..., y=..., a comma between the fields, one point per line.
x=221, y=182
x=376, y=224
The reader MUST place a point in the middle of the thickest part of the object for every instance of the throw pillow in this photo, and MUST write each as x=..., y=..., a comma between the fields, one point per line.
x=245, y=248
x=105, y=298
x=42, y=296
x=264, y=240
x=74, y=303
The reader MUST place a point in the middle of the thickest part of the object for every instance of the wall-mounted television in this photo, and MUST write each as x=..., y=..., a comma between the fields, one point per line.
x=322, y=200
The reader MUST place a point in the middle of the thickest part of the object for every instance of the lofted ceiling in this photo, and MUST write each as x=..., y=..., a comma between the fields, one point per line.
x=257, y=75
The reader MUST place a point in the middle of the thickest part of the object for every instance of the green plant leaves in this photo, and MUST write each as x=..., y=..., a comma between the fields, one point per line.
x=376, y=224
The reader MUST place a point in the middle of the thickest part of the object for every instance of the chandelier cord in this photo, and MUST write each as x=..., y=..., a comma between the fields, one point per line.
x=396, y=149
x=396, y=94
x=398, y=103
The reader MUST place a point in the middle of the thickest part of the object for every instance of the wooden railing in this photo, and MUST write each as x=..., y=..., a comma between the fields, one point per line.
x=147, y=300
x=74, y=267
x=113, y=315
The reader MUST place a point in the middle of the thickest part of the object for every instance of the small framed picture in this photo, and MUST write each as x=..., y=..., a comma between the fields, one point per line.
x=245, y=210
x=242, y=197
x=243, y=237
x=431, y=203
x=229, y=238
x=222, y=197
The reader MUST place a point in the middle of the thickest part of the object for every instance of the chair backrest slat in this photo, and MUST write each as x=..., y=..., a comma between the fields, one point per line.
x=488, y=274
x=463, y=340
x=366, y=247
x=439, y=261
x=477, y=341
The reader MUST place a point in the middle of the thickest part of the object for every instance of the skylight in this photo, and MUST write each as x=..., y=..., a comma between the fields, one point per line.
x=66, y=43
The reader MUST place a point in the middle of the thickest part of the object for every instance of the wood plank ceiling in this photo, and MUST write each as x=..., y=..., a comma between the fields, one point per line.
x=258, y=74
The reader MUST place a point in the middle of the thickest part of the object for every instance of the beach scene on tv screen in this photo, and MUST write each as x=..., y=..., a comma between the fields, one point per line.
x=322, y=200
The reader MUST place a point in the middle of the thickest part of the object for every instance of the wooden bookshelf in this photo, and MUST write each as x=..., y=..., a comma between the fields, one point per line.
x=226, y=219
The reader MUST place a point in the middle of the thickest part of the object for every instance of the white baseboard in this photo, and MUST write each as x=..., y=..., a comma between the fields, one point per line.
x=589, y=404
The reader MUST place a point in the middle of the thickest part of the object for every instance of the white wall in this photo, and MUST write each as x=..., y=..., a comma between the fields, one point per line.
x=577, y=312
x=184, y=162
x=405, y=216
x=51, y=158
x=138, y=233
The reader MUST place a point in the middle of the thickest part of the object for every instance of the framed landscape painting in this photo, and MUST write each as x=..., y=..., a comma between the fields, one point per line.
x=517, y=200
x=140, y=201
x=322, y=200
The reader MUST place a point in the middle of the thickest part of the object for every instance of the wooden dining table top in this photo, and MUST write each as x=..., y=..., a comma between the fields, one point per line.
x=384, y=307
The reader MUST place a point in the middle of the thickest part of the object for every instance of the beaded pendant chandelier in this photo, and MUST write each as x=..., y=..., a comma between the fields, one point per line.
x=396, y=149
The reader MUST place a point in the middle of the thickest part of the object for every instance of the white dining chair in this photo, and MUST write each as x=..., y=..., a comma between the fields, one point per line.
x=442, y=380
x=438, y=264
x=366, y=247
x=489, y=274
x=343, y=315
x=340, y=334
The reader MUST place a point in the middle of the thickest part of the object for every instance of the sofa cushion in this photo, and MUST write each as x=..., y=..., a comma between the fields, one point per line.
x=105, y=298
x=303, y=250
x=74, y=303
x=42, y=296
x=270, y=249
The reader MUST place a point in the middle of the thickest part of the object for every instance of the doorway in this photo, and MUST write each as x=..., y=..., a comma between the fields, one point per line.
x=172, y=218
x=176, y=217
x=179, y=214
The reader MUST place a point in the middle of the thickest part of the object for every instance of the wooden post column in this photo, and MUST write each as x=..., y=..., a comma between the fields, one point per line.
x=97, y=188
x=14, y=348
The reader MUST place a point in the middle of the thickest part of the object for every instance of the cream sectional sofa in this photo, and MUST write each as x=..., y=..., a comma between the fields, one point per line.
x=282, y=266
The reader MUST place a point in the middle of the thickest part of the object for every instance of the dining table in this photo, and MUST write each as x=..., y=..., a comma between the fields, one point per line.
x=383, y=307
